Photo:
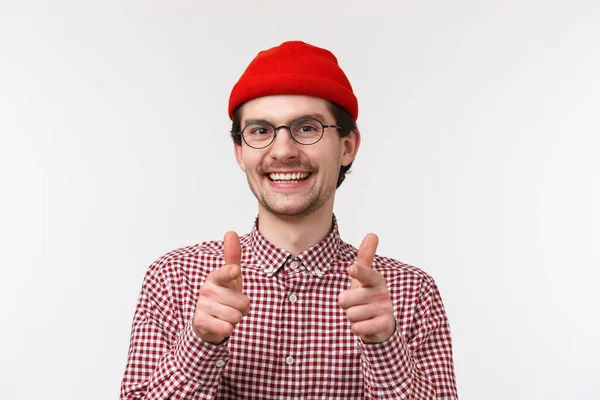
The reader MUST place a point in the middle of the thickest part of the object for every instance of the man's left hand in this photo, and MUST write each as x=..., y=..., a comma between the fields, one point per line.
x=367, y=303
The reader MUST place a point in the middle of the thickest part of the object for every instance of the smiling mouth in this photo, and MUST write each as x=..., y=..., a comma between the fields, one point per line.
x=295, y=177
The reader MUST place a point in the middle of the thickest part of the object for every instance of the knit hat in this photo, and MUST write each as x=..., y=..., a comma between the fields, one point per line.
x=295, y=68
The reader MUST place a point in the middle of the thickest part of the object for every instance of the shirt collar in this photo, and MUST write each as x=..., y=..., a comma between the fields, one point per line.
x=316, y=260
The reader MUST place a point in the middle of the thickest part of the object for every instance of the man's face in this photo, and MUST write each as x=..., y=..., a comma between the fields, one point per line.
x=287, y=178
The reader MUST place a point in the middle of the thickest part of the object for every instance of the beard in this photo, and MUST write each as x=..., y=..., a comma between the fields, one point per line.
x=290, y=206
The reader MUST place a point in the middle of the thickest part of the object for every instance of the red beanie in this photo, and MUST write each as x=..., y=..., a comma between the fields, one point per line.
x=295, y=68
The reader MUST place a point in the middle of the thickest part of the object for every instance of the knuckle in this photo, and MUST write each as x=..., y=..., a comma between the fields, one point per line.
x=244, y=303
x=200, y=327
x=203, y=302
x=237, y=317
x=225, y=329
x=361, y=329
x=342, y=299
x=353, y=318
x=199, y=317
x=207, y=290
x=232, y=316
x=370, y=329
x=389, y=308
x=350, y=315
x=386, y=306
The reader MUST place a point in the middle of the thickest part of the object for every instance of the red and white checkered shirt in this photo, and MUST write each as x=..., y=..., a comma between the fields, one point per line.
x=295, y=342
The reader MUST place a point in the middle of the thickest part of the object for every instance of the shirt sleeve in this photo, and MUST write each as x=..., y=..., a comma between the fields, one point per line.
x=417, y=365
x=166, y=359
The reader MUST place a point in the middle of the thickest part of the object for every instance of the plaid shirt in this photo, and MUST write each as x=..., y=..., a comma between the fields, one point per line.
x=295, y=342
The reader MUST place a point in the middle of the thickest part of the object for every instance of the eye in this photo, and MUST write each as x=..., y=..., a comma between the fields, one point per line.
x=307, y=128
x=258, y=130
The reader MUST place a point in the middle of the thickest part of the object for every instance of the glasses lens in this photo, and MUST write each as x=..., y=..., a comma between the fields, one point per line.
x=307, y=130
x=258, y=135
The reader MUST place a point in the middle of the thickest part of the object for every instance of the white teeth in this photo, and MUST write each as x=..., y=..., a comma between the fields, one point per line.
x=296, y=176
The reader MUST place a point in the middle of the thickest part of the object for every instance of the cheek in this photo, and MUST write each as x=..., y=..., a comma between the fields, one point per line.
x=250, y=164
x=237, y=151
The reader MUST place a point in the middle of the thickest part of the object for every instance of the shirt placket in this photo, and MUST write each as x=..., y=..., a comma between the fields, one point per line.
x=290, y=336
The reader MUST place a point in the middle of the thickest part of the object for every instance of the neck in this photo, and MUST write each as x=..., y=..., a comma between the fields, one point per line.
x=295, y=234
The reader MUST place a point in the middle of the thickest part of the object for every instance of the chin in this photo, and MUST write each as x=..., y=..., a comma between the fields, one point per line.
x=291, y=210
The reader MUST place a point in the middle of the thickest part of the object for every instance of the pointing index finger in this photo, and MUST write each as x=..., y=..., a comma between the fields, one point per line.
x=366, y=254
x=367, y=250
x=232, y=251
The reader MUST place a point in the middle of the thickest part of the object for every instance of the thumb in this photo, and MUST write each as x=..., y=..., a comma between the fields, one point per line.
x=366, y=254
x=232, y=251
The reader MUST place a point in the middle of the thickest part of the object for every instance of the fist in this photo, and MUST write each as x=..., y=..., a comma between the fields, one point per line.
x=221, y=304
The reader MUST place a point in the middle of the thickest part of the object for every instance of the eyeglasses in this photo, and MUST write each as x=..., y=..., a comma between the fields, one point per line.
x=305, y=131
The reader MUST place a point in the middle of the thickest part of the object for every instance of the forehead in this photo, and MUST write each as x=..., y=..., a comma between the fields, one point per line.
x=284, y=108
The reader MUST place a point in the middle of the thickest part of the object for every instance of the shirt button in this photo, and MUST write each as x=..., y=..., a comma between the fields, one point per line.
x=294, y=264
x=293, y=298
x=289, y=360
x=220, y=363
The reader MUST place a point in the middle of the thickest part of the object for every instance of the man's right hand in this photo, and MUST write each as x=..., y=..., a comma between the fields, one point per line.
x=221, y=303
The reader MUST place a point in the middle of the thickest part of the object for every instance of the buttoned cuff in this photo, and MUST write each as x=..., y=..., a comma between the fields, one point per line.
x=387, y=363
x=198, y=359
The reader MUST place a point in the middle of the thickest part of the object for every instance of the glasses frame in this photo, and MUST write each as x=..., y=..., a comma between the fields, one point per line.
x=289, y=129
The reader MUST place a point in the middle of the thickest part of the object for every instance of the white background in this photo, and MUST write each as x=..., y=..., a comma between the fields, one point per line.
x=479, y=164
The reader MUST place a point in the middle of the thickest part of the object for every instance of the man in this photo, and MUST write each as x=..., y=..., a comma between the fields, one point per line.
x=290, y=310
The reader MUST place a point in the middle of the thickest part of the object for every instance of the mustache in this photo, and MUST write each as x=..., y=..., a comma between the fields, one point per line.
x=282, y=166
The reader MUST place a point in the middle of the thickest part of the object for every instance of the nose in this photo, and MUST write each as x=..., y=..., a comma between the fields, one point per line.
x=283, y=147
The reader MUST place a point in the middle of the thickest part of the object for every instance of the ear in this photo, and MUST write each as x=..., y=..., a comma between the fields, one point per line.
x=237, y=150
x=350, y=145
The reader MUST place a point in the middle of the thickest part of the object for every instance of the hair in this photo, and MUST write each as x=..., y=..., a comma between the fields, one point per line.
x=342, y=119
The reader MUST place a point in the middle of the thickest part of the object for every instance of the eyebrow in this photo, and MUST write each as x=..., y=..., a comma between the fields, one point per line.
x=249, y=121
